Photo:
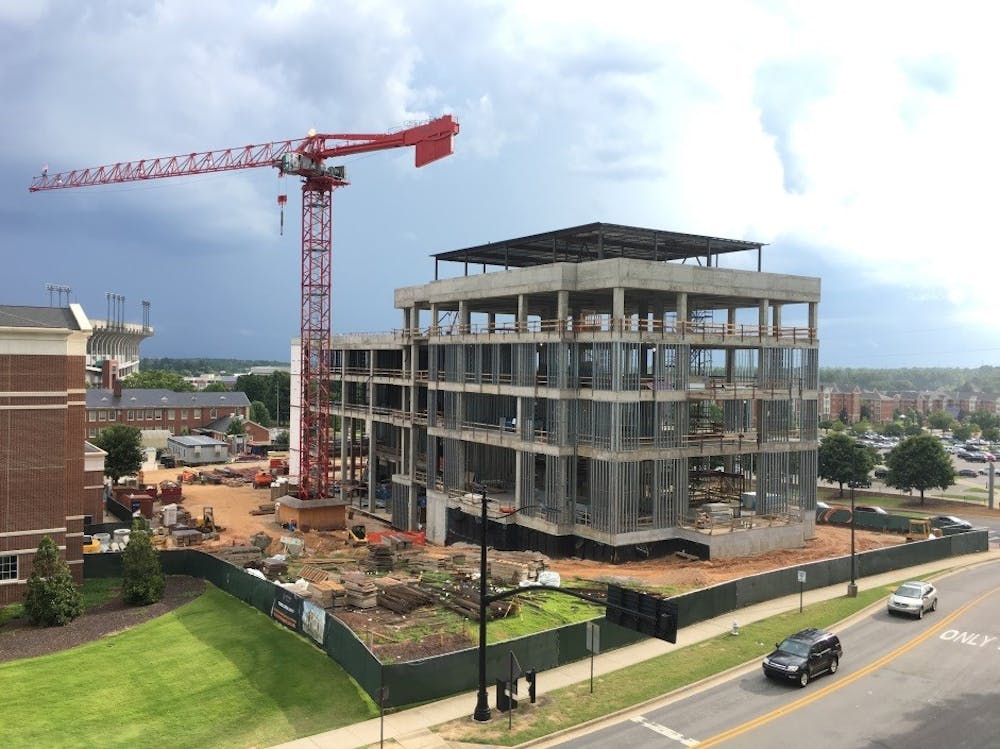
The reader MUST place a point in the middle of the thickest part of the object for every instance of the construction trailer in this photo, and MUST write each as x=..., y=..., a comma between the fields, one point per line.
x=602, y=384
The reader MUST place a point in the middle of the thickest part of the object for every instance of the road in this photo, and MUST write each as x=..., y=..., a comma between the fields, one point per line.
x=902, y=683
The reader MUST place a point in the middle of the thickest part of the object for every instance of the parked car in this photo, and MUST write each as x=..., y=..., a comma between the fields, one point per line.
x=870, y=508
x=802, y=656
x=914, y=598
x=881, y=473
x=863, y=484
x=967, y=472
x=950, y=521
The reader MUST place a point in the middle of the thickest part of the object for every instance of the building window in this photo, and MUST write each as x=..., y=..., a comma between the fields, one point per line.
x=149, y=414
x=8, y=567
x=102, y=415
x=197, y=413
x=171, y=414
x=214, y=413
x=92, y=432
x=112, y=415
x=131, y=415
x=184, y=414
x=159, y=414
x=91, y=415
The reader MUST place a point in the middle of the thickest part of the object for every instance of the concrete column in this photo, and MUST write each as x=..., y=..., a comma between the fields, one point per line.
x=343, y=444
x=618, y=307
x=682, y=311
x=522, y=312
x=813, y=319
x=776, y=315
x=762, y=306
x=491, y=321
x=434, y=318
x=731, y=321
x=562, y=308
x=519, y=501
x=463, y=316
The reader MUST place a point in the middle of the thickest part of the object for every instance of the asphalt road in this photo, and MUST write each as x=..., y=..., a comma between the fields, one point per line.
x=902, y=683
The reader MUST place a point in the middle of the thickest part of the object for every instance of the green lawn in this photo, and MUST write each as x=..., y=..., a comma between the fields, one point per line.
x=212, y=673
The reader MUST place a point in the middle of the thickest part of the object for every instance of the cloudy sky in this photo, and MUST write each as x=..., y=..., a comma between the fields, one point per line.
x=857, y=139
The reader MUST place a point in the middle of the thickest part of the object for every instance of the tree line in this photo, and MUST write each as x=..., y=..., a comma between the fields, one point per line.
x=985, y=379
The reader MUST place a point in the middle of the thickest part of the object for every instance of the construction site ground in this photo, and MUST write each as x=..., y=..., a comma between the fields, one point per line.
x=381, y=629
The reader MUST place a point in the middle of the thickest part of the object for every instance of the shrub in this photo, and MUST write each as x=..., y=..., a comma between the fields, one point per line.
x=143, y=581
x=52, y=598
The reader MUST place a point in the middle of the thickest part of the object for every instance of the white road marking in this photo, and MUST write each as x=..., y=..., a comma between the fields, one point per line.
x=664, y=731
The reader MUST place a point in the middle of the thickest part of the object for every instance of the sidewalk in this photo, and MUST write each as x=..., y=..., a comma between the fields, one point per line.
x=409, y=729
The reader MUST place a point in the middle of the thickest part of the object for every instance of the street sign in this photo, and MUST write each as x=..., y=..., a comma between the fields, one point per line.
x=593, y=638
x=802, y=576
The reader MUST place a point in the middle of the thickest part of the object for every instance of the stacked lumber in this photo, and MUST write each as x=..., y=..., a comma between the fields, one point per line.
x=423, y=561
x=380, y=559
x=361, y=592
x=314, y=574
x=510, y=571
x=402, y=598
x=327, y=593
x=238, y=555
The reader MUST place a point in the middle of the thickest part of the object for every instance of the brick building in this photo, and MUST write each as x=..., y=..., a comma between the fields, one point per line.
x=47, y=475
x=177, y=413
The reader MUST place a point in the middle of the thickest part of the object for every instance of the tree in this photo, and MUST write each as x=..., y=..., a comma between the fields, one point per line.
x=844, y=416
x=893, y=429
x=236, y=426
x=143, y=581
x=961, y=432
x=215, y=387
x=153, y=379
x=259, y=414
x=52, y=598
x=281, y=441
x=940, y=420
x=273, y=390
x=842, y=460
x=919, y=463
x=123, y=444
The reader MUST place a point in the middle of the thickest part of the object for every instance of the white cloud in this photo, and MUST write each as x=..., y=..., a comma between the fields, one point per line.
x=864, y=133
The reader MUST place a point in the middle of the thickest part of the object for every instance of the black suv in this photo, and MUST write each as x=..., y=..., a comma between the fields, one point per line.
x=802, y=656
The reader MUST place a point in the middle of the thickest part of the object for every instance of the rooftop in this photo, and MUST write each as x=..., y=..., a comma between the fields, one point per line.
x=597, y=241
x=37, y=317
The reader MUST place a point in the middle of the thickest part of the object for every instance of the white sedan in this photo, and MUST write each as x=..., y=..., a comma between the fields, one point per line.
x=913, y=598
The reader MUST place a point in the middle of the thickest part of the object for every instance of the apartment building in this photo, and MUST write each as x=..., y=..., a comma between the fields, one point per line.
x=608, y=387
x=175, y=413
x=50, y=480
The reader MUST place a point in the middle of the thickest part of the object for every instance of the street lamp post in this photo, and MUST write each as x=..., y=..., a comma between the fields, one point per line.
x=482, y=713
x=852, y=587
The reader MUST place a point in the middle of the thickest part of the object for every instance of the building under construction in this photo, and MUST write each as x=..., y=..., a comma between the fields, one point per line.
x=613, y=390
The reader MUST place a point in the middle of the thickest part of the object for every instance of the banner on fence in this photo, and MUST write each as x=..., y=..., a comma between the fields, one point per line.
x=287, y=608
x=314, y=621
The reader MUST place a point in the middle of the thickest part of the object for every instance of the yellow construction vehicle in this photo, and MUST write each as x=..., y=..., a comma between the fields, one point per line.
x=920, y=530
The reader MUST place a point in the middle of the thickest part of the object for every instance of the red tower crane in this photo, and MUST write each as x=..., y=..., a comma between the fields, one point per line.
x=305, y=157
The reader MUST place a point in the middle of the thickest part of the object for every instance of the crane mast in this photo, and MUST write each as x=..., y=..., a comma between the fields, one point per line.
x=305, y=158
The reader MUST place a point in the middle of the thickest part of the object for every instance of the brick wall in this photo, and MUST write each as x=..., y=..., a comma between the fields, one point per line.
x=41, y=460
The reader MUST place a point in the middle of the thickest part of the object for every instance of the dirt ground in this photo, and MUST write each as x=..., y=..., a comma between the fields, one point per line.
x=379, y=627
x=232, y=506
